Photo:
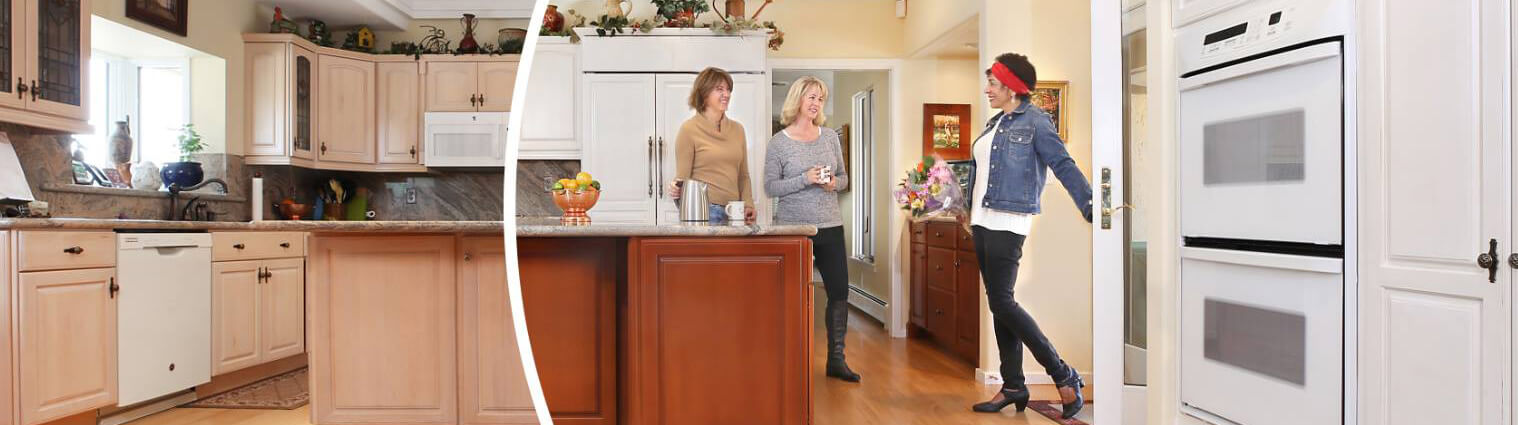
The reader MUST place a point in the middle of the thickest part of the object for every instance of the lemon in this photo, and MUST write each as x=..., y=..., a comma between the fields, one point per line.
x=583, y=179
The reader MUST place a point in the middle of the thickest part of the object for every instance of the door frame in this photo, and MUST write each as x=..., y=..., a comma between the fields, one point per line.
x=1107, y=244
x=897, y=307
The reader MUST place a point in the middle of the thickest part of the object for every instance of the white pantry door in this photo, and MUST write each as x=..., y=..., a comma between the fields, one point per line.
x=619, y=146
x=1109, y=248
x=1434, y=339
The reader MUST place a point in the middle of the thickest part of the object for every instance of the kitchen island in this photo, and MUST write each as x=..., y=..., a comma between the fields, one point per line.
x=669, y=325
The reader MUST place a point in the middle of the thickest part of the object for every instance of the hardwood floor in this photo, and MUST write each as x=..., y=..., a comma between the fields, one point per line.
x=905, y=381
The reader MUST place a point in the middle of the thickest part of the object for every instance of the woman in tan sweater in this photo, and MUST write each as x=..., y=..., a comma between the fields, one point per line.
x=711, y=147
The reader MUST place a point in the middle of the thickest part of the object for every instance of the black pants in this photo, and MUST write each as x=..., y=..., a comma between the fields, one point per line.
x=830, y=256
x=998, y=253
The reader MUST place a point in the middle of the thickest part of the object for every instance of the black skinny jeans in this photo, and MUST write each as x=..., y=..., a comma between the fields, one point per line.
x=830, y=255
x=998, y=253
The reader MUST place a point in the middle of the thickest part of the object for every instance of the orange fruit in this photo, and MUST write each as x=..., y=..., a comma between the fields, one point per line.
x=572, y=184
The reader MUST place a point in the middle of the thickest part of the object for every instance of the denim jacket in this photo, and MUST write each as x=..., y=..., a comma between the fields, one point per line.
x=1023, y=146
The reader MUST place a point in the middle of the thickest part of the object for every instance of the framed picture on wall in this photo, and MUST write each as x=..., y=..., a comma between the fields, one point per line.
x=1050, y=96
x=168, y=15
x=946, y=130
x=843, y=142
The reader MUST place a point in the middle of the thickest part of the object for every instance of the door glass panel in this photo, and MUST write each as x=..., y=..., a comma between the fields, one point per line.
x=58, y=51
x=1136, y=167
x=302, y=140
x=1262, y=149
x=1269, y=342
x=6, y=47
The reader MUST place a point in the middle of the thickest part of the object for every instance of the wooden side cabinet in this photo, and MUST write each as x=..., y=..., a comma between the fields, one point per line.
x=7, y=344
x=945, y=288
x=67, y=344
x=257, y=312
x=492, y=382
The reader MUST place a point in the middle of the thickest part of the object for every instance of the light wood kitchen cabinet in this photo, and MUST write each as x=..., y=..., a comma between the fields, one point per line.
x=553, y=110
x=492, y=382
x=400, y=114
x=282, y=305
x=281, y=105
x=457, y=85
x=345, y=110
x=43, y=81
x=7, y=372
x=382, y=315
x=67, y=342
x=257, y=312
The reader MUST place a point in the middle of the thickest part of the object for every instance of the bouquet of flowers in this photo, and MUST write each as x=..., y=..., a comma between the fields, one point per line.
x=930, y=191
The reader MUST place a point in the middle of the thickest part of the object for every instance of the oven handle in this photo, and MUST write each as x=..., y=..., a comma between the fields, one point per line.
x=1264, y=259
x=1269, y=63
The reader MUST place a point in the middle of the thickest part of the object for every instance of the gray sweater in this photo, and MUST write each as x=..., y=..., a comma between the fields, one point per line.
x=785, y=166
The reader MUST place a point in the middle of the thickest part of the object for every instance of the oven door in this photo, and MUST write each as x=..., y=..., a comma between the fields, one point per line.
x=1262, y=148
x=1261, y=337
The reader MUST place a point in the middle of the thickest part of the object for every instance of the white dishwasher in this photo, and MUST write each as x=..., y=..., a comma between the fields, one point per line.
x=163, y=314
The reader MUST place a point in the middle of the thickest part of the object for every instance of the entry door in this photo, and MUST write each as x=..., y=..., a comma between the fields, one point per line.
x=1434, y=193
x=619, y=146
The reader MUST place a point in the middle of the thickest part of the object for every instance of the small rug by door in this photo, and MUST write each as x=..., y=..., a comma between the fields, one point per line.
x=1052, y=410
x=282, y=392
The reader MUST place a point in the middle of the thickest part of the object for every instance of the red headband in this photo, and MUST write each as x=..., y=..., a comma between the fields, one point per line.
x=1007, y=78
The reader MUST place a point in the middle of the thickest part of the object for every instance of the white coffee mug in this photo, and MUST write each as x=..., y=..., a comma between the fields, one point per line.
x=825, y=174
x=735, y=212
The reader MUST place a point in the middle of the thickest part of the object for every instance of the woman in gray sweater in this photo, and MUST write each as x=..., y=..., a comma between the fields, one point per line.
x=804, y=169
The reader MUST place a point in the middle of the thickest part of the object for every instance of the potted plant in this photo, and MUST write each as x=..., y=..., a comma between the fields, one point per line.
x=185, y=173
x=681, y=13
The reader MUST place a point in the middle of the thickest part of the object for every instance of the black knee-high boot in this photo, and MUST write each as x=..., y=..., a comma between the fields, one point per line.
x=837, y=320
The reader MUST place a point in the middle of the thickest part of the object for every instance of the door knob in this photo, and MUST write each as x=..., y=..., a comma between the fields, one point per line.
x=1488, y=260
x=1107, y=208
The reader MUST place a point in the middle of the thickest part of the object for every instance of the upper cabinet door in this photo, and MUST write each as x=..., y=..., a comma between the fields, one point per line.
x=59, y=42
x=282, y=306
x=452, y=86
x=67, y=340
x=302, y=102
x=497, y=79
x=265, y=65
x=234, y=315
x=400, y=115
x=551, y=103
x=346, y=110
x=12, y=60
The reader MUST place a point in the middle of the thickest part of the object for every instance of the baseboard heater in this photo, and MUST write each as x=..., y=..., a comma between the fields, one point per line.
x=867, y=296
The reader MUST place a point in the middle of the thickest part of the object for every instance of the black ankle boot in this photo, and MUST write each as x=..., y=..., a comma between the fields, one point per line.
x=837, y=320
x=1018, y=397
x=1072, y=405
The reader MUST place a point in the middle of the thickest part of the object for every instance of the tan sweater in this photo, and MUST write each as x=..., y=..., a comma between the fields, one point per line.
x=717, y=157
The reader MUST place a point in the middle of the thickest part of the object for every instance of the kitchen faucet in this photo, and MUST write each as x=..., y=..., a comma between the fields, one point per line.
x=175, y=214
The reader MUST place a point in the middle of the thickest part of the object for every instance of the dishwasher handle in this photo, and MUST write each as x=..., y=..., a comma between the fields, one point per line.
x=113, y=288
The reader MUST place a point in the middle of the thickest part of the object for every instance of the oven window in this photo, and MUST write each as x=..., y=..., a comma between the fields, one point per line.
x=1263, y=149
x=1268, y=342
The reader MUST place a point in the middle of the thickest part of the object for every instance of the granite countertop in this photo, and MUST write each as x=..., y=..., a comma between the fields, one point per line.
x=269, y=225
x=550, y=227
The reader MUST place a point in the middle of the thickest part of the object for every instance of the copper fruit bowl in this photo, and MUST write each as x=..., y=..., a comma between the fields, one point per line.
x=575, y=203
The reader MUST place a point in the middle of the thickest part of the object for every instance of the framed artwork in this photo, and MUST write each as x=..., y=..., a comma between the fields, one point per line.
x=168, y=15
x=1050, y=96
x=843, y=142
x=946, y=130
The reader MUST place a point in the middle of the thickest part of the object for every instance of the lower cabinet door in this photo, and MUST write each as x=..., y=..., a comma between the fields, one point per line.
x=967, y=306
x=234, y=315
x=941, y=319
x=67, y=343
x=492, y=382
x=919, y=285
x=382, y=316
x=569, y=289
x=282, y=309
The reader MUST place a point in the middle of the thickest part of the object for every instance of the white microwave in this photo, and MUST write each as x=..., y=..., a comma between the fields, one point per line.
x=465, y=139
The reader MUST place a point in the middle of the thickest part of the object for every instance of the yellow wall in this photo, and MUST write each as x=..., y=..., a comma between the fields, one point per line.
x=927, y=20
x=484, y=32
x=216, y=31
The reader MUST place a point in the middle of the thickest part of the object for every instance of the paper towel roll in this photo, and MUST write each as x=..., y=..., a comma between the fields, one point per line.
x=257, y=198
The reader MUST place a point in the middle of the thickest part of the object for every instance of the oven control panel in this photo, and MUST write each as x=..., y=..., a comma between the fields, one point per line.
x=1259, y=26
x=1247, y=34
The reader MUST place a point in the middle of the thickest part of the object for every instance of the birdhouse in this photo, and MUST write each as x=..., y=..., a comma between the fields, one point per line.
x=365, y=38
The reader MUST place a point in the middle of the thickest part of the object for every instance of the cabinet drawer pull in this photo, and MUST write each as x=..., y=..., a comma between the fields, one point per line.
x=113, y=288
x=938, y=267
x=284, y=244
x=468, y=257
x=76, y=250
x=413, y=151
x=937, y=234
x=20, y=88
x=324, y=148
x=938, y=311
x=239, y=246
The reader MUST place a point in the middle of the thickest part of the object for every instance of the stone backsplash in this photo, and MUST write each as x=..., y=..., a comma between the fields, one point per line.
x=440, y=195
x=533, y=180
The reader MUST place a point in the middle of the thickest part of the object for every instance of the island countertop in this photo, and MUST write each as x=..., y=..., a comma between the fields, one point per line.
x=315, y=226
x=550, y=227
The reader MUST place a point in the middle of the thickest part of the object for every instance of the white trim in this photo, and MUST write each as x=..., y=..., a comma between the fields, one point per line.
x=1107, y=244
x=866, y=305
x=896, y=303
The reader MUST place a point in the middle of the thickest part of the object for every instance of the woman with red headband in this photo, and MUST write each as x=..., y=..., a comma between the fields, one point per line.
x=1019, y=143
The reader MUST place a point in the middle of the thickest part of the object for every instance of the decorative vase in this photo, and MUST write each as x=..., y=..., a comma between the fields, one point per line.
x=468, y=45
x=553, y=21
x=682, y=19
x=511, y=39
x=184, y=174
x=121, y=148
x=614, y=8
x=145, y=176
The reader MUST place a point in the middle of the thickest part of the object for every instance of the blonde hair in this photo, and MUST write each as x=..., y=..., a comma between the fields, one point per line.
x=707, y=81
x=792, y=106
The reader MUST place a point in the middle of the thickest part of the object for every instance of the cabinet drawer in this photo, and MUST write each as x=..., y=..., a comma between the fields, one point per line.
x=940, y=270
x=941, y=318
x=51, y=250
x=942, y=235
x=919, y=232
x=966, y=242
x=232, y=246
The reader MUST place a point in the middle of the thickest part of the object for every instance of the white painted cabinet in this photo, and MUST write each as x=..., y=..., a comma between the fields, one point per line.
x=619, y=146
x=748, y=106
x=550, y=107
x=1436, y=191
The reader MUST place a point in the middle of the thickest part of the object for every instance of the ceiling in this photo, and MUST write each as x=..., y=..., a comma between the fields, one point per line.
x=960, y=42
x=398, y=14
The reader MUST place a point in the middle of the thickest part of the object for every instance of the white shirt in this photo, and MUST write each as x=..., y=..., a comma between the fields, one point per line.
x=1006, y=221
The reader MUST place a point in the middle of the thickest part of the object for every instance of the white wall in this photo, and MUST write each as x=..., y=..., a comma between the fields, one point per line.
x=873, y=278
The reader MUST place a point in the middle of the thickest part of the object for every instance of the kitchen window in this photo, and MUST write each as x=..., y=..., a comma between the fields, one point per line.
x=862, y=177
x=153, y=94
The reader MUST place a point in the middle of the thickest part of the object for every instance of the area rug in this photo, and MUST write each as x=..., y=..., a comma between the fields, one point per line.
x=281, y=392
x=1052, y=410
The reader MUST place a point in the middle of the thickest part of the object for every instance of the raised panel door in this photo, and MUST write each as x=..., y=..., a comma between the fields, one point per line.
x=451, y=86
x=234, y=315
x=569, y=291
x=400, y=112
x=967, y=306
x=552, y=96
x=619, y=146
x=282, y=309
x=919, y=284
x=941, y=322
x=268, y=100
x=382, y=317
x=59, y=42
x=12, y=56
x=492, y=382
x=497, y=80
x=67, y=347
x=346, y=110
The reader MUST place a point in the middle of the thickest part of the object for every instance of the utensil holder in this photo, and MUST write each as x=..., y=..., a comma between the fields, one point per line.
x=332, y=211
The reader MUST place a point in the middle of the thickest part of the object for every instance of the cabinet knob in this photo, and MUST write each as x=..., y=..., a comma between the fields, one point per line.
x=937, y=234
x=938, y=311
x=36, y=90
x=239, y=246
x=76, y=250
x=938, y=267
x=324, y=147
x=20, y=88
x=284, y=244
x=413, y=151
x=1512, y=260
x=468, y=257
